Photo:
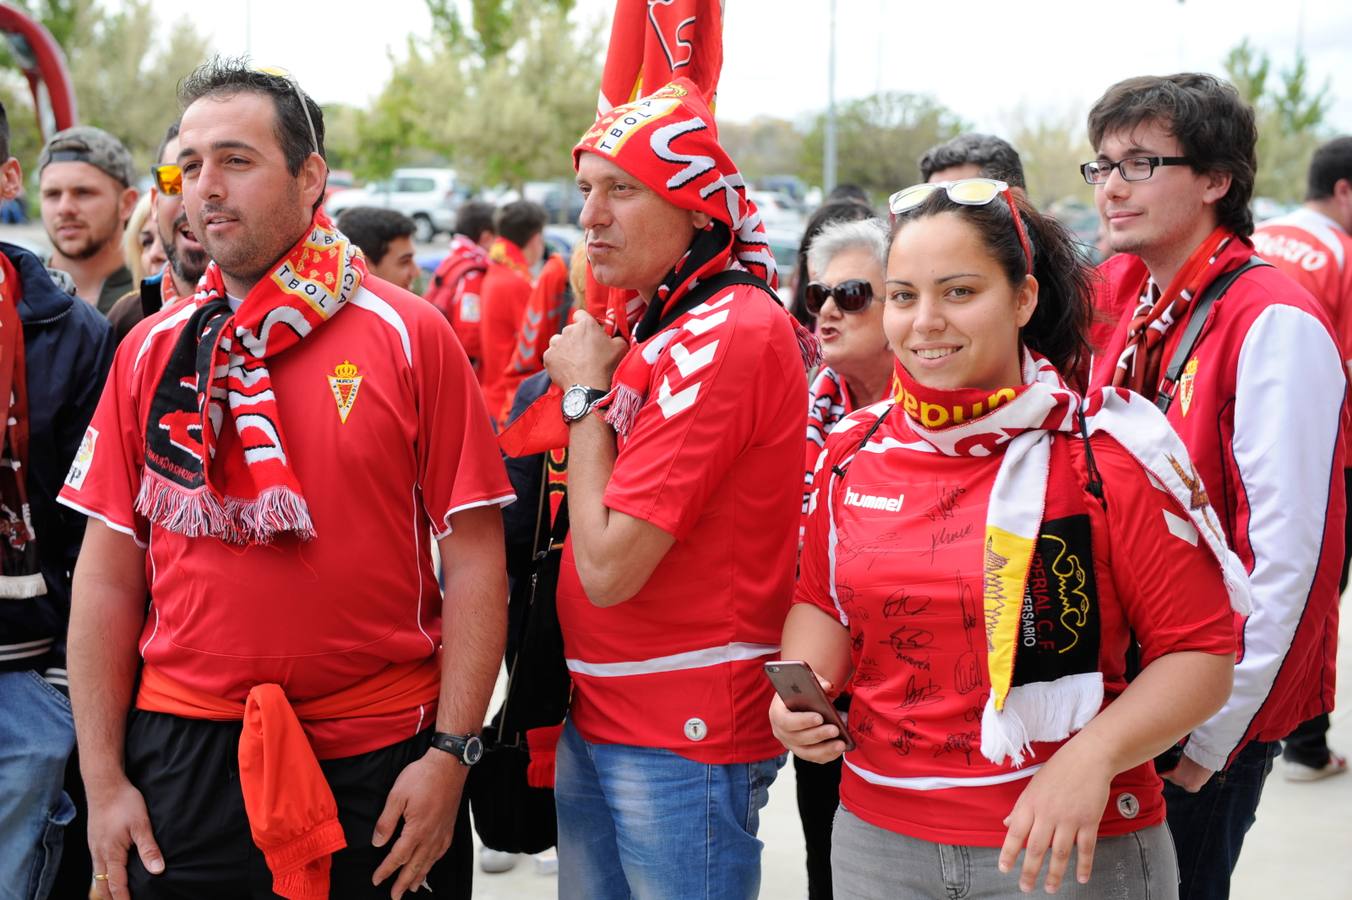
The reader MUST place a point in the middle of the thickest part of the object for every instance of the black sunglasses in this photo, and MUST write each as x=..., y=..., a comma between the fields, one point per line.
x=851, y=296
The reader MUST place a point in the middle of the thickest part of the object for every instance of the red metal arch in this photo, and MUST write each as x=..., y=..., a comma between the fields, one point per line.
x=44, y=65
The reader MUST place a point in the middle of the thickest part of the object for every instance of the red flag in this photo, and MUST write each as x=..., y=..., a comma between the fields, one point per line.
x=653, y=41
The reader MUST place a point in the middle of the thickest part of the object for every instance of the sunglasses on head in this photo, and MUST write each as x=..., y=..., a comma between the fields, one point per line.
x=278, y=72
x=851, y=296
x=168, y=179
x=968, y=192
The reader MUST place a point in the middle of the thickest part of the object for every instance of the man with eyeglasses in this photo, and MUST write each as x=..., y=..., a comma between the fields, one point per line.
x=297, y=710
x=187, y=260
x=85, y=180
x=1256, y=393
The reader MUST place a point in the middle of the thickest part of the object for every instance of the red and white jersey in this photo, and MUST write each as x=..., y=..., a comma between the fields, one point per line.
x=894, y=551
x=1317, y=254
x=714, y=458
x=1260, y=407
x=387, y=433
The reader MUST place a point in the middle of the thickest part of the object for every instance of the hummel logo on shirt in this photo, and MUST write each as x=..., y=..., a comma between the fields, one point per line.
x=872, y=501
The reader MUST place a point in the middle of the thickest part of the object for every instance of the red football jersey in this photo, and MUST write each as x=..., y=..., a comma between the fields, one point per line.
x=388, y=436
x=714, y=459
x=896, y=555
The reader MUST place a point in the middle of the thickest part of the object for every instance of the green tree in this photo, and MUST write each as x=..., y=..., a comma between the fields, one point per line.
x=524, y=110
x=125, y=71
x=494, y=25
x=1052, y=145
x=501, y=117
x=764, y=146
x=879, y=140
x=1290, y=113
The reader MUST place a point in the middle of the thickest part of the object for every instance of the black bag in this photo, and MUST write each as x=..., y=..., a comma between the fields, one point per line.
x=509, y=814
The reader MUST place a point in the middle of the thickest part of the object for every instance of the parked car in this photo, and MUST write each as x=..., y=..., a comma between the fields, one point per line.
x=778, y=211
x=561, y=198
x=784, y=245
x=339, y=180
x=429, y=197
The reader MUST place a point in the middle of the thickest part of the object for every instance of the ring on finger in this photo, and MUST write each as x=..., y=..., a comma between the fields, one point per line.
x=103, y=877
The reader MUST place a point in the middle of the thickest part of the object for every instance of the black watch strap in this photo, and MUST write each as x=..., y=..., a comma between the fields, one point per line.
x=467, y=748
x=591, y=396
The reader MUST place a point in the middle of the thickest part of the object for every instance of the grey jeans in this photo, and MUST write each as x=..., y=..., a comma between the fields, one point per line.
x=868, y=862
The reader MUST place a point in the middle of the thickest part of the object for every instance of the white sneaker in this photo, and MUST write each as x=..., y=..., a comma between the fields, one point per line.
x=494, y=862
x=547, y=862
x=1295, y=771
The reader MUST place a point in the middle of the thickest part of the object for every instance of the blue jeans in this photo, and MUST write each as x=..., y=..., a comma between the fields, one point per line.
x=1209, y=826
x=37, y=735
x=648, y=824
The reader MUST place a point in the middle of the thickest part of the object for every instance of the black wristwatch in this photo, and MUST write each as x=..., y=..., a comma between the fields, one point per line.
x=465, y=747
x=578, y=400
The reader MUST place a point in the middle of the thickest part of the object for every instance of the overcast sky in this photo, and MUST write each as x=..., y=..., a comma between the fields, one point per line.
x=981, y=58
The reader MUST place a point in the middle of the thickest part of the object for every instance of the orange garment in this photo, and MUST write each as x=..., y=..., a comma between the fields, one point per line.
x=542, y=319
x=293, y=817
x=502, y=303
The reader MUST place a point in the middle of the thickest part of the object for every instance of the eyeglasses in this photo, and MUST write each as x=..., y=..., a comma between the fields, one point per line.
x=968, y=192
x=278, y=72
x=1133, y=168
x=851, y=296
x=168, y=179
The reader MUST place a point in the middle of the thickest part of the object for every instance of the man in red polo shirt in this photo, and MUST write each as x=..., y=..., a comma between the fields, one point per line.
x=269, y=463
x=504, y=295
x=683, y=505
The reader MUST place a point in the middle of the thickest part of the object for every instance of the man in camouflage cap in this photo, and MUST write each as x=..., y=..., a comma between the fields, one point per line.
x=85, y=181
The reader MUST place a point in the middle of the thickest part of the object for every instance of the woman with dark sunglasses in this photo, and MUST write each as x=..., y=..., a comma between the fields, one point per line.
x=980, y=551
x=845, y=296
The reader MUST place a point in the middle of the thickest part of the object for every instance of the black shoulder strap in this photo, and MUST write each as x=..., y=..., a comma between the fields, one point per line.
x=704, y=291
x=1164, y=398
x=863, y=442
x=151, y=298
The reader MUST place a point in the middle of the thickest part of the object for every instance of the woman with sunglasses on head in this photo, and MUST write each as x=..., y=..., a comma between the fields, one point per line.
x=845, y=297
x=980, y=551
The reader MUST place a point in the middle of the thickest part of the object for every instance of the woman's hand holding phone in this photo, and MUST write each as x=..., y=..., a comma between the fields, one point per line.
x=815, y=734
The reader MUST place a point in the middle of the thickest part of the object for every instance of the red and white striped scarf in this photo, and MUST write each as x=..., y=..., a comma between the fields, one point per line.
x=1138, y=368
x=218, y=367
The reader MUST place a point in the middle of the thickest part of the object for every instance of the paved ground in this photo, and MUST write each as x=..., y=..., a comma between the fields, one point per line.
x=1301, y=846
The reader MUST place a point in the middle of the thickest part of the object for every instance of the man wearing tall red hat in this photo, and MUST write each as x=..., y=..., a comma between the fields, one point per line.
x=296, y=710
x=685, y=432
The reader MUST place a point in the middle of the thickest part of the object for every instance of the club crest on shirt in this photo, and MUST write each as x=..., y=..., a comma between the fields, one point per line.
x=1185, y=384
x=344, y=382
